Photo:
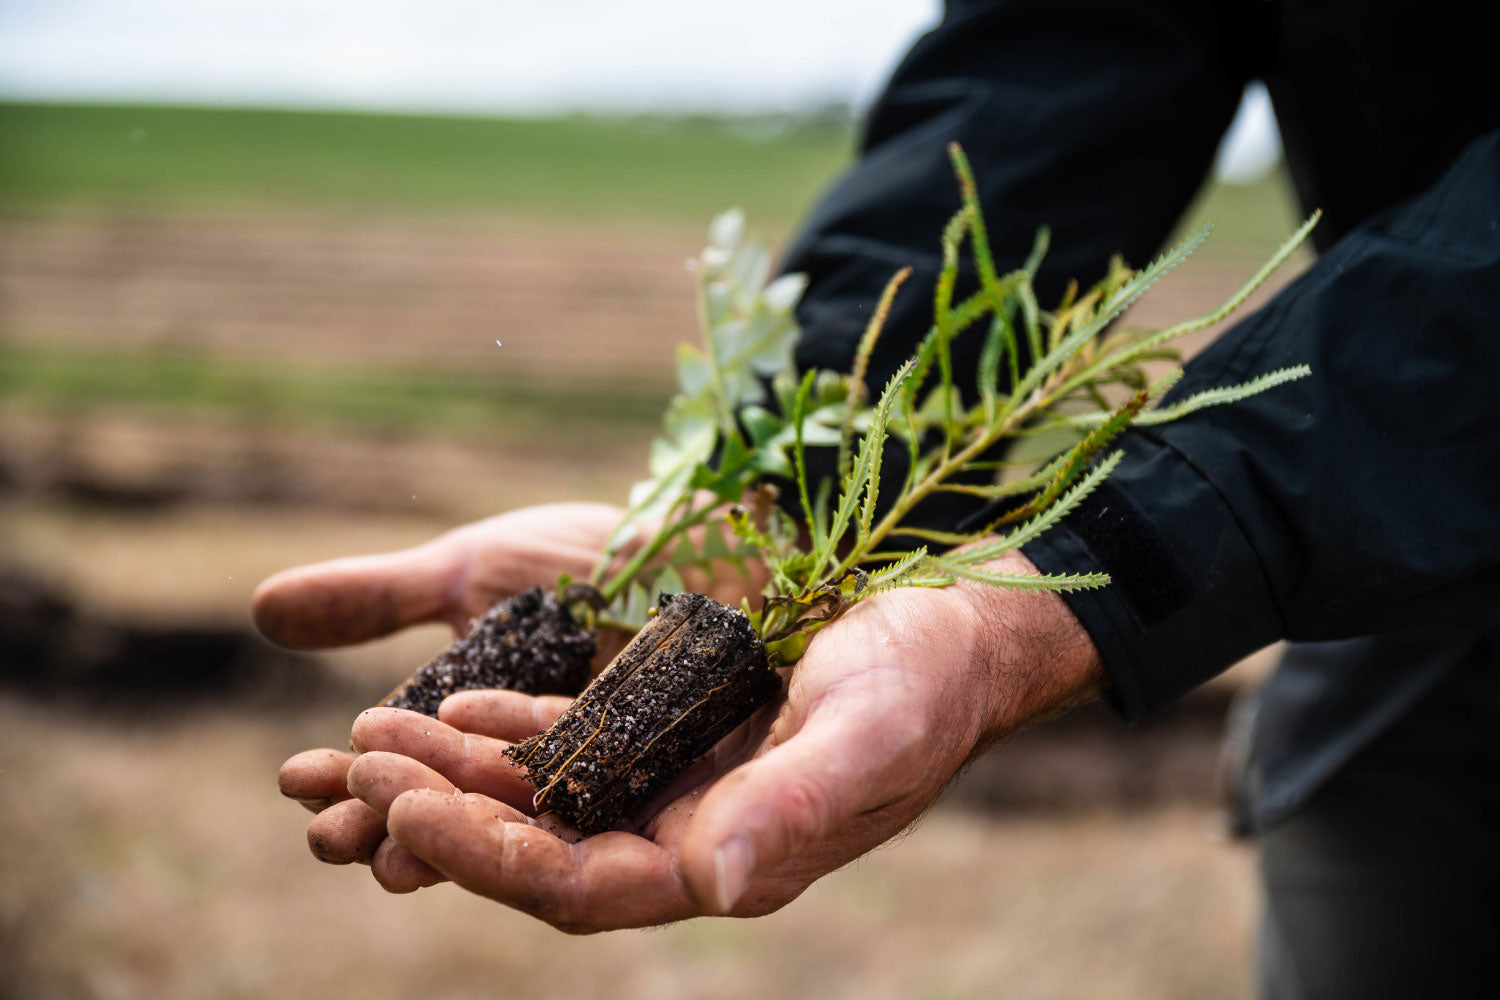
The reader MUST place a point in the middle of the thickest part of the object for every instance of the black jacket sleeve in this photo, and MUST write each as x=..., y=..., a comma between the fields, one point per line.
x=1099, y=119
x=1363, y=499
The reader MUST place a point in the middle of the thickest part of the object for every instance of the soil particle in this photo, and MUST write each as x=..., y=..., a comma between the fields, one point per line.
x=527, y=643
x=694, y=673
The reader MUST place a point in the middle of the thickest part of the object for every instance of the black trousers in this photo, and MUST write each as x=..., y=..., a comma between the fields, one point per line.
x=1386, y=883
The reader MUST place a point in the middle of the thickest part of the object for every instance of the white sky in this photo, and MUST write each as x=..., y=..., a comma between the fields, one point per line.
x=499, y=56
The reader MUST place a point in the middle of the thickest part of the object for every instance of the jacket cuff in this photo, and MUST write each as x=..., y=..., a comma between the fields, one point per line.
x=1188, y=596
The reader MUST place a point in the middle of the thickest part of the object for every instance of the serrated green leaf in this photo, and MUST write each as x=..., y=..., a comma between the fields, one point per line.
x=1128, y=293
x=1034, y=528
x=936, y=535
x=892, y=575
x=1222, y=395
x=1021, y=581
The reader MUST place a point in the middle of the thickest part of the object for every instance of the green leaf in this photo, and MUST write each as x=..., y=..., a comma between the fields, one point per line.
x=713, y=544
x=773, y=462
x=1128, y=293
x=1138, y=347
x=999, y=339
x=761, y=423
x=940, y=402
x=727, y=229
x=1034, y=528
x=694, y=373
x=1021, y=581
x=683, y=553
x=1224, y=394
x=936, y=535
x=799, y=455
x=783, y=294
x=688, y=418
x=785, y=652
x=637, y=605
x=1039, y=247
x=863, y=480
x=667, y=582
x=894, y=574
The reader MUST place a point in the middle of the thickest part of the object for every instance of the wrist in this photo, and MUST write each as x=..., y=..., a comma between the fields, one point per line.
x=1033, y=658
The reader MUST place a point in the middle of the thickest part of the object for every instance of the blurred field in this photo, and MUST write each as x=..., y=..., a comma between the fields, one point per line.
x=234, y=341
x=576, y=170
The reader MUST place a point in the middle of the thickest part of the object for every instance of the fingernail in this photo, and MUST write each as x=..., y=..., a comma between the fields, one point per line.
x=734, y=862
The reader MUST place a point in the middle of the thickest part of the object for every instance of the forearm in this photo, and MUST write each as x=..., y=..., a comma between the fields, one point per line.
x=1359, y=500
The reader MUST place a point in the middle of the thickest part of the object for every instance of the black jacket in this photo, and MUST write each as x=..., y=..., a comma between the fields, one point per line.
x=1361, y=500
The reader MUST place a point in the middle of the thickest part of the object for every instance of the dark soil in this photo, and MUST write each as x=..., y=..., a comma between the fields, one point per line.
x=526, y=643
x=693, y=674
x=55, y=647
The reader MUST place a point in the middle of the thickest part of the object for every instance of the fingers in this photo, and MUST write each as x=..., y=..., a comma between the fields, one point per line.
x=316, y=778
x=824, y=783
x=398, y=870
x=504, y=715
x=351, y=600
x=605, y=882
x=472, y=762
x=346, y=832
x=378, y=777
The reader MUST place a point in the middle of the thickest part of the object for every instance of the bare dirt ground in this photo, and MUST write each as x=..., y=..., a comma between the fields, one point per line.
x=607, y=305
x=153, y=858
x=150, y=856
x=367, y=292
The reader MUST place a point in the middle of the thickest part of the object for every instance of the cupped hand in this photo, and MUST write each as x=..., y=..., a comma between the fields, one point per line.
x=453, y=578
x=888, y=703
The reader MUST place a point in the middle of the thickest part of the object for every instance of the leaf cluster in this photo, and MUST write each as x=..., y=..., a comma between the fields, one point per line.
x=1053, y=389
x=1064, y=378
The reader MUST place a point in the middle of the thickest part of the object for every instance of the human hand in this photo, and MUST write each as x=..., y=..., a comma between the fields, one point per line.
x=453, y=578
x=888, y=703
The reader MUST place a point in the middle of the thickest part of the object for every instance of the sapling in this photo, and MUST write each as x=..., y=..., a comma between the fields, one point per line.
x=1064, y=381
x=541, y=642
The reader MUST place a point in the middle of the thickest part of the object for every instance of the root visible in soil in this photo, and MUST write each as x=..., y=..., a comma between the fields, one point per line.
x=693, y=674
x=527, y=643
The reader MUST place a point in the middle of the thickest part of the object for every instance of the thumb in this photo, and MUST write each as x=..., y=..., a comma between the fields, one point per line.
x=350, y=600
x=799, y=793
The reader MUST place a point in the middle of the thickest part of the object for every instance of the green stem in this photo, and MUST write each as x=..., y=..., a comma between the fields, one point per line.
x=727, y=425
x=1040, y=400
x=689, y=518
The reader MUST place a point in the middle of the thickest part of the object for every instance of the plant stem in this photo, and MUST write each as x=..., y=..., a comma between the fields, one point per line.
x=950, y=464
x=653, y=548
x=727, y=424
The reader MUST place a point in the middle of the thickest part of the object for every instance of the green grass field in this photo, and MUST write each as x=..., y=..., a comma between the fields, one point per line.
x=575, y=168
x=674, y=171
x=568, y=172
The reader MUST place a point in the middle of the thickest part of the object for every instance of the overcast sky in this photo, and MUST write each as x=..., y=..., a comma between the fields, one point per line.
x=497, y=57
